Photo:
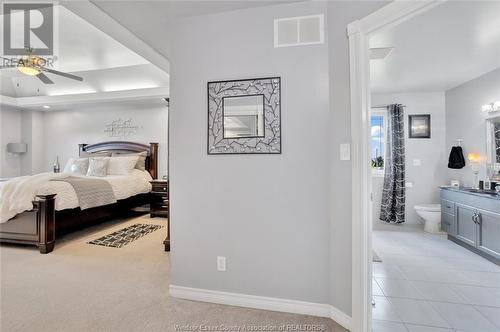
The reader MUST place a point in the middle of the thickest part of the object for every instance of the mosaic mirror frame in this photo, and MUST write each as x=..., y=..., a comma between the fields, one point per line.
x=270, y=141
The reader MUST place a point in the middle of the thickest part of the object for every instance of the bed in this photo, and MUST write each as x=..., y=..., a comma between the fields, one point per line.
x=55, y=209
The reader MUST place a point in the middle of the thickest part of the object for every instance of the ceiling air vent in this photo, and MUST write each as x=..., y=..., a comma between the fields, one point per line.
x=297, y=31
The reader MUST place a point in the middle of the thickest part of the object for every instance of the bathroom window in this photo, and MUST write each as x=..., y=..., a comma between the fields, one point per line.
x=377, y=126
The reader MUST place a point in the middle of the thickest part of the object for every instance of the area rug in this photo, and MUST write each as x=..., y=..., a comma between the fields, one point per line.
x=376, y=258
x=125, y=235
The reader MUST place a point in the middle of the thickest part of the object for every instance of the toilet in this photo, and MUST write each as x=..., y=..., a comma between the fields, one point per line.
x=431, y=213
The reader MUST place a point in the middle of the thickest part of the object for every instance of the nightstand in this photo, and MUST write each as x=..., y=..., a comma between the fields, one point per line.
x=159, y=205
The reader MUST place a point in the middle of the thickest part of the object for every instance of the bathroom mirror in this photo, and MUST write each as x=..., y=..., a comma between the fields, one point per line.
x=493, y=139
x=243, y=116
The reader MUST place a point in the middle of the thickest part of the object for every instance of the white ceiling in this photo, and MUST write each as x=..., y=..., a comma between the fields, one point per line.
x=440, y=49
x=160, y=14
x=84, y=50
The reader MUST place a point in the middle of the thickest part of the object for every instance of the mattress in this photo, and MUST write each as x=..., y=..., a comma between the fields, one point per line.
x=17, y=195
x=124, y=186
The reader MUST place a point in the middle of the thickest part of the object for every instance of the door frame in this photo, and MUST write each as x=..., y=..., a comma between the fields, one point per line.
x=359, y=33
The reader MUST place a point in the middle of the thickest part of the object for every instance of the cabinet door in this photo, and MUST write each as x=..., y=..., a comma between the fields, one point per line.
x=466, y=227
x=489, y=232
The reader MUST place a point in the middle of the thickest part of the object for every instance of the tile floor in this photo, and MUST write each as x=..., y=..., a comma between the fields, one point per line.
x=426, y=283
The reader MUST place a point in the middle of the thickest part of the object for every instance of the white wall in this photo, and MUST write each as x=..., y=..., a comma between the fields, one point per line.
x=340, y=14
x=465, y=120
x=268, y=214
x=10, y=132
x=64, y=130
x=33, y=134
x=282, y=221
x=431, y=152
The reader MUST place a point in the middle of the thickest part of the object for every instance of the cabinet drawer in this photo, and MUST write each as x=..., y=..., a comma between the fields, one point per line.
x=448, y=223
x=447, y=207
x=160, y=187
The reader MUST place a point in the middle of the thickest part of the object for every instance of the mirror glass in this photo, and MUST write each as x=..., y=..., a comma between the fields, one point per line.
x=495, y=140
x=243, y=116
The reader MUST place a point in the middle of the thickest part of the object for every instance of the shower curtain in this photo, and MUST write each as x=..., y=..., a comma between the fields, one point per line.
x=393, y=195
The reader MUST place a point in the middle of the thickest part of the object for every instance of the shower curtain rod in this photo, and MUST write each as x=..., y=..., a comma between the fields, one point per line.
x=384, y=106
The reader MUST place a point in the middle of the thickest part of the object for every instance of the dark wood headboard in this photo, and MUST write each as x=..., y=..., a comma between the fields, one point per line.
x=122, y=146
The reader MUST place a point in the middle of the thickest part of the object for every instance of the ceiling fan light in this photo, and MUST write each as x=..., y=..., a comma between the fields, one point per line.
x=28, y=70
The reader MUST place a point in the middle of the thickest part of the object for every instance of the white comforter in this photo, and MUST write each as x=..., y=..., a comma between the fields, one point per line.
x=16, y=195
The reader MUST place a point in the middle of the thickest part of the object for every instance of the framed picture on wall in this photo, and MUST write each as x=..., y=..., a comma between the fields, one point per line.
x=419, y=125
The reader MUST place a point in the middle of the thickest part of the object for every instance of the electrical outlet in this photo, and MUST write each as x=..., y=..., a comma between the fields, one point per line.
x=221, y=263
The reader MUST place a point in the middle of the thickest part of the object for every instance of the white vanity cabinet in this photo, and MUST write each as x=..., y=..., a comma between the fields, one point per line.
x=472, y=220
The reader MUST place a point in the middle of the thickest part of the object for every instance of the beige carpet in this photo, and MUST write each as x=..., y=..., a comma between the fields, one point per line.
x=84, y=287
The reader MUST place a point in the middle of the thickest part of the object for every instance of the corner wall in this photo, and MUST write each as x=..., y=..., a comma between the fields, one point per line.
x=427, y=177
x=466, y=120
x=64, y=130
x=268, y=214
x=10, y=132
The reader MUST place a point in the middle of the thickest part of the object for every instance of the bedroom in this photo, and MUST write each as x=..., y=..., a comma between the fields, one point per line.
x=261, y=240
x=91, y=90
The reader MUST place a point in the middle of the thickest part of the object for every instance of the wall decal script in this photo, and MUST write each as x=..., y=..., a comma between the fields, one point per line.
x=121, y=128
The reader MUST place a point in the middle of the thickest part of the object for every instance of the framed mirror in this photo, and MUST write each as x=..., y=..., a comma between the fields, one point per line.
x=244, y=116
x=493, y=139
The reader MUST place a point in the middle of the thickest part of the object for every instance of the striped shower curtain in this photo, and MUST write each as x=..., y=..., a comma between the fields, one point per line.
x=393, y=195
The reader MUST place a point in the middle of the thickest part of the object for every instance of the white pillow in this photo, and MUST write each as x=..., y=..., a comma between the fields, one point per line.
x=98, y=166
x=77, y=166
x=122, y=165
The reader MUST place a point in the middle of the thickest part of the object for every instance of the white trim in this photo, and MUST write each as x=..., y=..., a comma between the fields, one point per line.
x=261, y=302
x=101, y=20
x=82, y=98
x=359, y=32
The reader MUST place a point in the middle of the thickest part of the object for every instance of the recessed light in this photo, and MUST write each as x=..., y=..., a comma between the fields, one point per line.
x=46, y=107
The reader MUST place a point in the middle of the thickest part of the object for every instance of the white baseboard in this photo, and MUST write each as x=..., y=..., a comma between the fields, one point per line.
x=262, y=302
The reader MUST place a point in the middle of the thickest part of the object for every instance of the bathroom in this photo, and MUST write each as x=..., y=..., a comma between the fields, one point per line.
x=436, y=214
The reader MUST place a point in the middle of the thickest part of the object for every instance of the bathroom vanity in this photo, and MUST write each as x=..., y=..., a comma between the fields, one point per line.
x=472, y=219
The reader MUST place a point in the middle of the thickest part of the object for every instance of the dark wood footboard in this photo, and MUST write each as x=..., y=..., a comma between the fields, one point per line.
x=42, y=225
x=35, y=227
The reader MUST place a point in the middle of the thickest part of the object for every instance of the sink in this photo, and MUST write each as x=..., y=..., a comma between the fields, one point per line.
x=481, y=191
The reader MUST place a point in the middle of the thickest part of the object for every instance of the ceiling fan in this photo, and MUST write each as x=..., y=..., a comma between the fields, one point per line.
x=33, y=65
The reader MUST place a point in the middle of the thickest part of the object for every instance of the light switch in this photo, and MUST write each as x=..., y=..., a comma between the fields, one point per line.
x=409, y=184
x=345, y=151
x=417, y=162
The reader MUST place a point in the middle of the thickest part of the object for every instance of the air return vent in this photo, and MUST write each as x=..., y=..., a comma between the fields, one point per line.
x=297, y=31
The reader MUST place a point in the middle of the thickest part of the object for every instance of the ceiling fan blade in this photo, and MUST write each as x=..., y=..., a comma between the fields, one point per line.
x=44, y=78
x=73, y=77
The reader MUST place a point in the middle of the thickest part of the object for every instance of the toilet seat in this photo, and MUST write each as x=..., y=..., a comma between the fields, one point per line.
x=428, y=207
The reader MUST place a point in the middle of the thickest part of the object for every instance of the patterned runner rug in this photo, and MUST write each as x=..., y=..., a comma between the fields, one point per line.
x=125, y=235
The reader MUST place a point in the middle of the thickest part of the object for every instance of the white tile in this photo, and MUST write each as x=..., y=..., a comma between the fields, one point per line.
x=421, y=328
x=376, y=288
x=477, y=295
x=417, y=312
x=487, y=279
x=437, y=292
x=382, y=310
x=492, y=314
x=476, y=264
x=464, y=317
x=387, y=271
x=386, y=326
x=399, y=288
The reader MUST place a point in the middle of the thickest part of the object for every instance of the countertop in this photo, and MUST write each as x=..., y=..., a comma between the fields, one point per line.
x=466, y=191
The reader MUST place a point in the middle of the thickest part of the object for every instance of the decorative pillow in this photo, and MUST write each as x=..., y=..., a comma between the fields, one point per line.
x=77, y=166
x=141, y=162
x=98, y=166
x=121, y=165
